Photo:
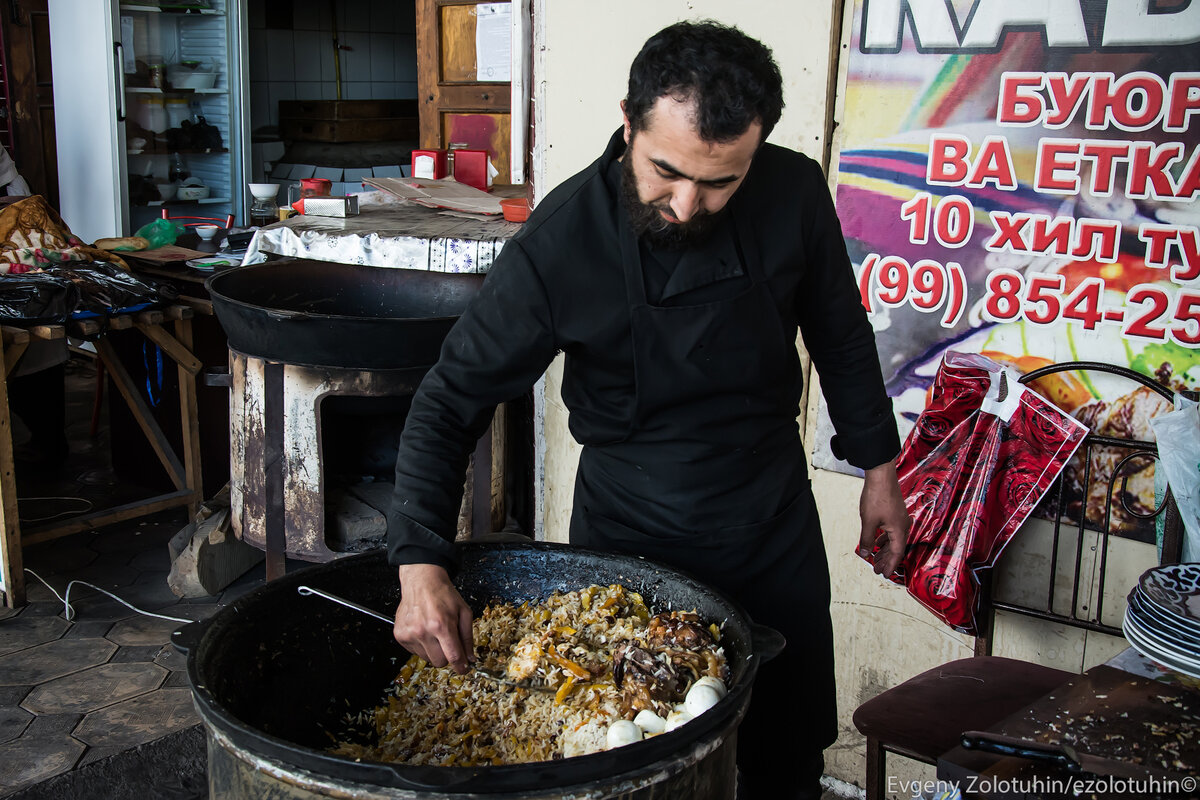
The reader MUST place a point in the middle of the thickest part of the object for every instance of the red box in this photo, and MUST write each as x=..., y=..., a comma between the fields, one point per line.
x=471, y=168
x=429, y=163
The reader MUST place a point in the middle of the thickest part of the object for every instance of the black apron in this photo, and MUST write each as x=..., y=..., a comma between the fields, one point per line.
x=712, y=480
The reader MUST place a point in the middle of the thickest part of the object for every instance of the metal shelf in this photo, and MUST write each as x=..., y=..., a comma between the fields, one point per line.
x=156, y=90
x=207, y=201
x=208, y=12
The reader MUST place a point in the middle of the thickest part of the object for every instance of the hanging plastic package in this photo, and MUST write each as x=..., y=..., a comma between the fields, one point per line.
x=1178, y=436
x=980, y=458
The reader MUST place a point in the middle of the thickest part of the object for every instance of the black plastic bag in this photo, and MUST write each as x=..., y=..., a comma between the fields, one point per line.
x=106, y=289
x=37, y=298
x=200, y=135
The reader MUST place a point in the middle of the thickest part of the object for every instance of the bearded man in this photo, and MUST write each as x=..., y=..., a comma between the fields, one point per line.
x=674, y=273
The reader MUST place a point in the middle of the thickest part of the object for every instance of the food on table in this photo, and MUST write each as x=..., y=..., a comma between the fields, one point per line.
x=123, y=243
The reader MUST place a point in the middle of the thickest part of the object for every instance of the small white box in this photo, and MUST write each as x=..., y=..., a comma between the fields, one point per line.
x=331, y=206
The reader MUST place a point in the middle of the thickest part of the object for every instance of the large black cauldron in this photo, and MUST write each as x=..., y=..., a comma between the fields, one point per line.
x=339, y=315
x=273, y=673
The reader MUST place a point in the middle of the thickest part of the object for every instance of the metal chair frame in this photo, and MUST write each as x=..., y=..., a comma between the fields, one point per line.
x=224, y=222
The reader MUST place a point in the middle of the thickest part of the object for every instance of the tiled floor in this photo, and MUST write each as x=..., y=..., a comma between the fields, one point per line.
x=72, y=693
x=76, y=693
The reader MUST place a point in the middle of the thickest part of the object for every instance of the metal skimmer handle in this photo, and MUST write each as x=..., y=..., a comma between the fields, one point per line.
x=341, y=601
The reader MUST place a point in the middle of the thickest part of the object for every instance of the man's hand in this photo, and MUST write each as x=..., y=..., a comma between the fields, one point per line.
x=432, y=621
x=885, y=520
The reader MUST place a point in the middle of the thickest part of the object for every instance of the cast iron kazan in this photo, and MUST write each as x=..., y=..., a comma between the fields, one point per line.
x=339, y=315
x=275, y=672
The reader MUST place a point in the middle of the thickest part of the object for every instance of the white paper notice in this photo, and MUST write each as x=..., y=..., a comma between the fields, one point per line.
x=493, y=41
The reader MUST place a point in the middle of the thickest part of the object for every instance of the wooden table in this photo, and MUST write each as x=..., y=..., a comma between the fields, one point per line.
x=183, y=470
x=170, y=264
x=1142, y=725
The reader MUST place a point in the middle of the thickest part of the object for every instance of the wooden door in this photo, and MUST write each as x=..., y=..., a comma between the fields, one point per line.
x=456, y=105
x=31, y=95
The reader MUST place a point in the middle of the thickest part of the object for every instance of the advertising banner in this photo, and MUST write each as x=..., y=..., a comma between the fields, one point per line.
x=1019, y=178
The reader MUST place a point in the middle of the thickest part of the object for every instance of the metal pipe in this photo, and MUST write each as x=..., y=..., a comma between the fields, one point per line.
x=337, y=48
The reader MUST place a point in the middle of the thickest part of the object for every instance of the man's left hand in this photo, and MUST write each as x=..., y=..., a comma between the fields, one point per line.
x=885, y=520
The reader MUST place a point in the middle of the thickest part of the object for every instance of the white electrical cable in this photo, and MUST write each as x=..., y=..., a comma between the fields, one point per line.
x=86, y=506
x=69, y=612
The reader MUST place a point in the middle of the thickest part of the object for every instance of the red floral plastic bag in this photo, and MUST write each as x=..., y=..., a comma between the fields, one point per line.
x=982, y=455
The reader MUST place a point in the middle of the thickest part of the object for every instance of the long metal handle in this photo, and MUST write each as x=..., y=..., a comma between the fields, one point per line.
x=119, y=57
x=1062, y=755
x=341, y=601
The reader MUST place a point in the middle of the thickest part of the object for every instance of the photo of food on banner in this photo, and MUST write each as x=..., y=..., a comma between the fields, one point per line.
x=1019, y=193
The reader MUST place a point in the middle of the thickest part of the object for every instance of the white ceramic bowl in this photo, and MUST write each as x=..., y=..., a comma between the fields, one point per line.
x=207, y=232
x=193, y=80
x=165, y=190
x=192, y=192
x=264, y=191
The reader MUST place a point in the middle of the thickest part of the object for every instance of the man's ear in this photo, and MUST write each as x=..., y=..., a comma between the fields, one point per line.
x=628, y=127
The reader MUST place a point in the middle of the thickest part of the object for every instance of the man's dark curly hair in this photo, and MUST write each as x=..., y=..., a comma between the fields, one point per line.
x=731, y=77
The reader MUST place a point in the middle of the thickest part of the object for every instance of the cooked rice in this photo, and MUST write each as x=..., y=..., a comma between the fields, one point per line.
x=433, y=716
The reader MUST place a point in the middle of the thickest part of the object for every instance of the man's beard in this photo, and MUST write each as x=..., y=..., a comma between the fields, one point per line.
x=647, y=220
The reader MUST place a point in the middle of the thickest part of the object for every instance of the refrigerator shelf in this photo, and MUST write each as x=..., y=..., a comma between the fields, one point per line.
x=207, y=201
x=153, y=151
x=210, y=12
x=156, y=90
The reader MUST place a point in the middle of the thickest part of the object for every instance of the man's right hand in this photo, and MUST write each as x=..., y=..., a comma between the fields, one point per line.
x=432, y=620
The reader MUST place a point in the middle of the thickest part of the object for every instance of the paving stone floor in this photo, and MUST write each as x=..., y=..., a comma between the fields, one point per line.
x=75, y=693
x=72, y=693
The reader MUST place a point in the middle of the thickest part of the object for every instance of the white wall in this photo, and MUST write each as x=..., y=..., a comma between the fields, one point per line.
x=588, y=49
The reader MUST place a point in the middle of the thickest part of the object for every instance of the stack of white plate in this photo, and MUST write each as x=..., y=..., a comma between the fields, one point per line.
x=1162, y=621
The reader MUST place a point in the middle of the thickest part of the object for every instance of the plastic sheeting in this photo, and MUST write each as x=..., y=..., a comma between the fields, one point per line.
x=75, y=291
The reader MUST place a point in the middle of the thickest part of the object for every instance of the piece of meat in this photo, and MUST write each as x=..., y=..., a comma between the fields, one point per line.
x=678, y=629
x=525, y=659
x=645, y=681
